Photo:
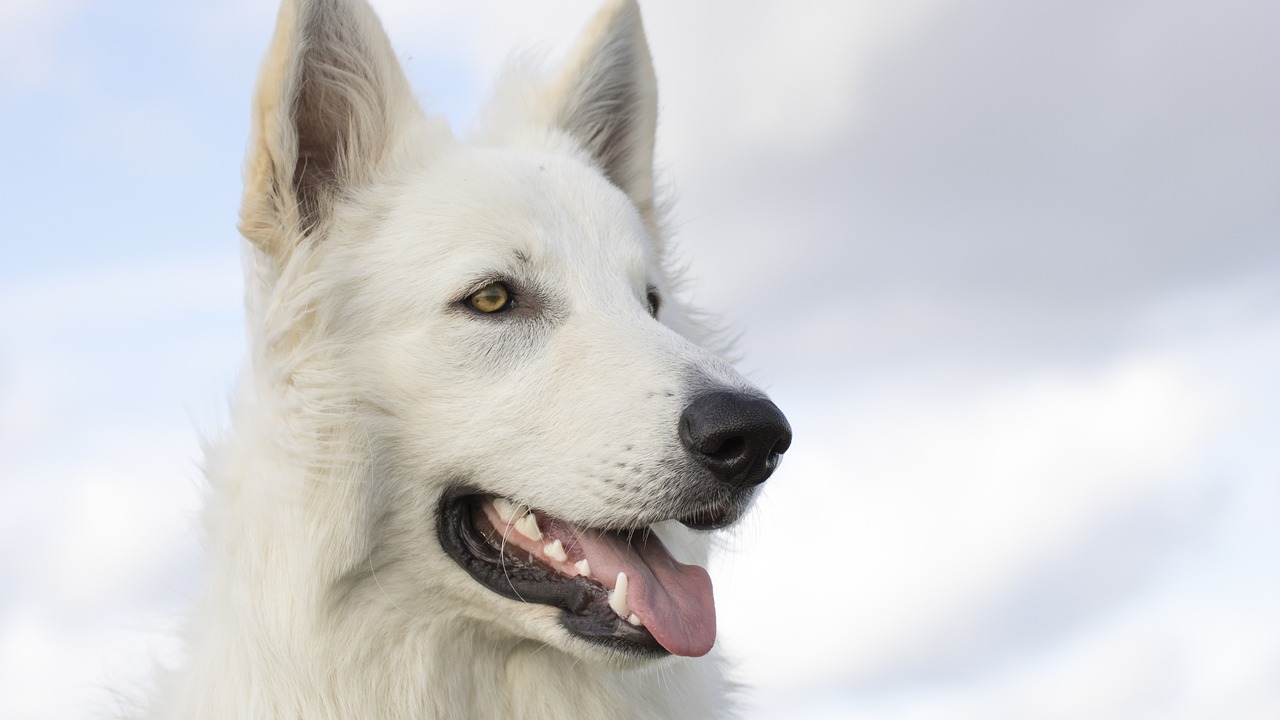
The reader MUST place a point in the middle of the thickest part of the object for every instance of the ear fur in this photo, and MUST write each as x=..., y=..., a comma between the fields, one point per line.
x=606, y=98
x=331, y=100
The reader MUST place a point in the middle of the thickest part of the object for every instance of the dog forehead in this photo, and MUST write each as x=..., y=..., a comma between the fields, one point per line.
x=543, y=210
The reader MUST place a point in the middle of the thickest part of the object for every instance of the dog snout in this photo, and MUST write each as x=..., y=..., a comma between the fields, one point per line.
x=740, y=438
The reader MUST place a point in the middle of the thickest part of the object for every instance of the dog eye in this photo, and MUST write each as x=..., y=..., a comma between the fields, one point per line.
x=654, y=302
x=491, y=298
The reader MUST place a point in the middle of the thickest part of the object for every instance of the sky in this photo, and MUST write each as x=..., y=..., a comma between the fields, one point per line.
x=1012, y=270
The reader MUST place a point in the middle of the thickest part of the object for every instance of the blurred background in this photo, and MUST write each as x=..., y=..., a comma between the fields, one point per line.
x=1012, y=269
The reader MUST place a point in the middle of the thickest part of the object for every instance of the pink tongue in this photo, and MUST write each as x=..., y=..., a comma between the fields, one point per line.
x=673, y=600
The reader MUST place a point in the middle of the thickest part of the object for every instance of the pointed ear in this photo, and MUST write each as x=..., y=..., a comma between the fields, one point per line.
x=331, y=101
x=606, y=98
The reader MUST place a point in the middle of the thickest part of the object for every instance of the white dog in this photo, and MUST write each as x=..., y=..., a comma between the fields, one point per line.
x=477, y=454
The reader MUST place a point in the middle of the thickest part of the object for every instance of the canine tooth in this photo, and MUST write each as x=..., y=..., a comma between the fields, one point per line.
x=618, y=596
x=555, y=549
x=635, y=620
x=506, y=509
x=584, y=567
x=528, y=527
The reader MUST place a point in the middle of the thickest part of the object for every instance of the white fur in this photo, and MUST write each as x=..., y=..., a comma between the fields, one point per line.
x=371, y=390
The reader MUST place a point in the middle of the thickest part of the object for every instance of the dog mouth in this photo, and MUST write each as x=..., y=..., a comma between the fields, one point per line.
x=620, y=588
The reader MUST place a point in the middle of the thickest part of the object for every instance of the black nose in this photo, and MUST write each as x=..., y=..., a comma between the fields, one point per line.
x=740, y=438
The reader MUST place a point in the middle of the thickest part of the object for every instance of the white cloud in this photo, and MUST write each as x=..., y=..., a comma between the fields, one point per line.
x=764, y=78
x=120, y=296
x=123, y=521
x=99, y=492
x=1082, y=543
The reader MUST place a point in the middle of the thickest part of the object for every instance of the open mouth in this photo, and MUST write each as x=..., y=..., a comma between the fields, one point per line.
x=619, y=588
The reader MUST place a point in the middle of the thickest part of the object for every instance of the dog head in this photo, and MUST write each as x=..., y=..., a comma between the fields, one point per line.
x=486, y=337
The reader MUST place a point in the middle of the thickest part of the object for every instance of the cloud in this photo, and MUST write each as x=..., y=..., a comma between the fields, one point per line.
x=1047, y=173
x=754, y=79
x=1036, y=546
x=942, y=495
x=104, y=376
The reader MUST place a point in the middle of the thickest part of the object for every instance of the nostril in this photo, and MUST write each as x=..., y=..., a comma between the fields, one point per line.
x=730, y=449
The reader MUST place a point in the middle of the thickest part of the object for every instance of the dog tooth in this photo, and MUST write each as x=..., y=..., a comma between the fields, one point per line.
x=635, y=620
x=618, y=596
x=528, y=527
x=584, y=567
x=506, y=509
x=555, y=549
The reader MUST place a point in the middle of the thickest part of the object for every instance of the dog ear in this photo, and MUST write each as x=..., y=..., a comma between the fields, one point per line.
x=330, y=102
x=606, y=97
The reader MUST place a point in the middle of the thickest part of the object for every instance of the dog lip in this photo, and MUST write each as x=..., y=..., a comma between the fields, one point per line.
x=712, y=517
x=584, y=603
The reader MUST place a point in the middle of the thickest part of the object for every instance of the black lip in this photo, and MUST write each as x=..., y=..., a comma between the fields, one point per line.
x=584, y=604
x=711, y=517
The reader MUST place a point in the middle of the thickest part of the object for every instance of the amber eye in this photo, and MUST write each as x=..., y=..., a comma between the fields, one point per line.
x=654, y=302
x=491, y=298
